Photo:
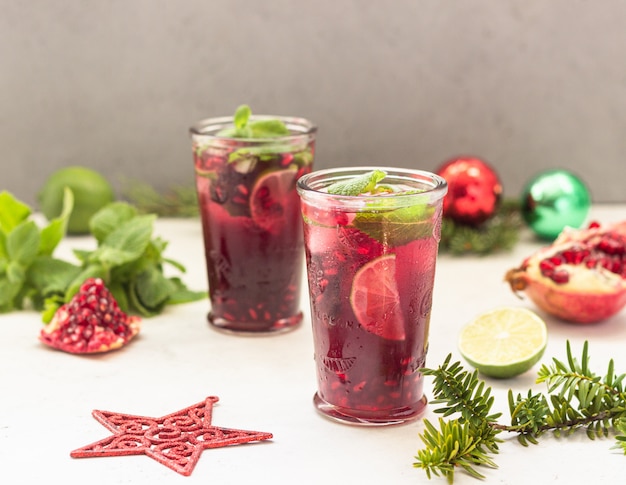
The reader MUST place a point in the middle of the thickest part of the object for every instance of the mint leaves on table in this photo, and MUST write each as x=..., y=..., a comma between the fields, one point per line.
x=28, y=272
x=127, y=257
x=130, y=261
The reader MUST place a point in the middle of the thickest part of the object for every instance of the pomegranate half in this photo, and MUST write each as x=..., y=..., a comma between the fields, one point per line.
x=580, y=277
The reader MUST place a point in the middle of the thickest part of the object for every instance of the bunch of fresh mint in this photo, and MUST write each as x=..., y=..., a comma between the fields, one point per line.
x=127, y=257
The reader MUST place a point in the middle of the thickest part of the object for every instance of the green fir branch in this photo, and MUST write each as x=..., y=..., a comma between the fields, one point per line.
x=620, y=426
x=453, y=445
x=463, y=393
x=177, y=201
x=576, y=399
x=499, y=233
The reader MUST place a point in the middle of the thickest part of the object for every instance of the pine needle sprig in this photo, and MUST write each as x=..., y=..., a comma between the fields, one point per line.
x=177, y=201
x=620, y=426
x=576, y=399
x=453, y=445
x=467, y=441
x=499, y=233
x=584, y=399
x=528, y=416
x=462, y=392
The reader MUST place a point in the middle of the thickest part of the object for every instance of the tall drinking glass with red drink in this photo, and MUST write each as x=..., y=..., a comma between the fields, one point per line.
x=371, y=239
x=246, y=171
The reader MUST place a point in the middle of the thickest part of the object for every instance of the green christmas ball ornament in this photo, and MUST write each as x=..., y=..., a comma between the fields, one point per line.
x=554, y=200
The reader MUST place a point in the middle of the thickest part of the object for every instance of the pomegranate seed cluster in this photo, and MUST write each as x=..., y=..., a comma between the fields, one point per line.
x=93, y=306
x=91, y=322
x=606, y=250
x=586, y=269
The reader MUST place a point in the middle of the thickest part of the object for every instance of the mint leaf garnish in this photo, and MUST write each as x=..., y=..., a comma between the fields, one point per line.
x=382, y=219
x=242, y=115
x=361, y=184
x=396, y=227
x=268, y=129
x=245, y=128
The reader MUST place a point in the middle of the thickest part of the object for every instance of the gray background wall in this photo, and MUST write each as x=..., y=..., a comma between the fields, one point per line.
x=527, y=85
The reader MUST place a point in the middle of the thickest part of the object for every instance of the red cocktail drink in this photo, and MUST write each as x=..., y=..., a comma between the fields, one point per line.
x=251, y=221
x=371, y=266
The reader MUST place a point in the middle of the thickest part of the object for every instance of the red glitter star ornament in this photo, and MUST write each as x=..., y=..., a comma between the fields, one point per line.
x=175, y=440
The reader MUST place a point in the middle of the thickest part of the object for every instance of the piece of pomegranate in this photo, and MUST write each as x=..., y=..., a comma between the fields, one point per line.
x=580, y=277
x=90, y=322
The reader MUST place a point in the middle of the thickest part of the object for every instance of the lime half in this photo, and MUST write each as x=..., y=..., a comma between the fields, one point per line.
x=504, y=342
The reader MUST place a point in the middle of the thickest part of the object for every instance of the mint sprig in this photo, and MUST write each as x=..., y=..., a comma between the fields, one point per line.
x=361, y=184
x=243, y=127
x=241, y=117
x=263, y=129
x=382, y=219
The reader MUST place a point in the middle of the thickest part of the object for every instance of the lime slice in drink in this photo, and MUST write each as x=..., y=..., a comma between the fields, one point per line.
x=375, y=299
x=504, y=342
x=269, y=194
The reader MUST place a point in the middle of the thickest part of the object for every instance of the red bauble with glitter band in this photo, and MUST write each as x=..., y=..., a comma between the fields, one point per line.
x=474, y=190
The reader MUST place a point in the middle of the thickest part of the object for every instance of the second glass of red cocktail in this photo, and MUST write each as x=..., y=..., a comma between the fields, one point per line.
x=246, y=171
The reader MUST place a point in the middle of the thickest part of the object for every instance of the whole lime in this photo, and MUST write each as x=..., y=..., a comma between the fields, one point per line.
x=92, y=191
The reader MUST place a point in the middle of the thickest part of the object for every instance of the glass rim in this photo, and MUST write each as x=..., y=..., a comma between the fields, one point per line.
x=209, y=127
x=435, y=186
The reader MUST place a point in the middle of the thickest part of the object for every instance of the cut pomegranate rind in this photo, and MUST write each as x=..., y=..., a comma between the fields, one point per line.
x=595, y=230
x=91, y=322
x=580, y=278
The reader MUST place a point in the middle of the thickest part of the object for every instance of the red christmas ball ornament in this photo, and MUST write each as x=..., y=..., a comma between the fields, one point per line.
x=474, y=190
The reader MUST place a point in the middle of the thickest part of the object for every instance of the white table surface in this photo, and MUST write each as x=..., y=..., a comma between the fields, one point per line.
x=266, y=384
